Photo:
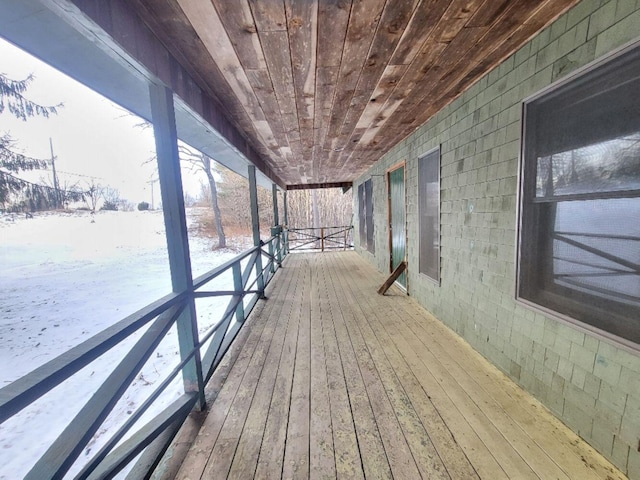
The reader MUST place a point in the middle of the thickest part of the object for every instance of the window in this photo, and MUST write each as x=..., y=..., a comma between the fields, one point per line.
x=429, y=213
x=365, y=215
x=368, y=213
x=579, y=249
x=362, y=228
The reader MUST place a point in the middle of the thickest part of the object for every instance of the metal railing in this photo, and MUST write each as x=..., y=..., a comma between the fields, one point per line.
x=321, y=238
x=153, y=438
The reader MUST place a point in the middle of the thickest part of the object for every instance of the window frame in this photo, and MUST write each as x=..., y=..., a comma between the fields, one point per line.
x=524, y=171
x=368, y=215
x=361, y=216
x=365, y=216
x=423, y=274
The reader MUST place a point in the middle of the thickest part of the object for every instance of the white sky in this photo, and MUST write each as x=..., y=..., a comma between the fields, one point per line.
x=91, y=136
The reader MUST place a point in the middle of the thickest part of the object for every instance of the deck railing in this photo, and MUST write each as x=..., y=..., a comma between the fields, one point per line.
x=320, y=238
x=154, y=437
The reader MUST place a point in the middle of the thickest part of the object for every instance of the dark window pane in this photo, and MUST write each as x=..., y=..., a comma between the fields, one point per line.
x=361, y=216
x=579, y=251
x=429, y=214
x=368, y=192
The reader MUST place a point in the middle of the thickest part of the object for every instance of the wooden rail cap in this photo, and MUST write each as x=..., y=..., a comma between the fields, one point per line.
x=402, y=266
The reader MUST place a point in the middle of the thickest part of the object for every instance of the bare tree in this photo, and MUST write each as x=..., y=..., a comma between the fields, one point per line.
x=93, y=194
x=202, y=162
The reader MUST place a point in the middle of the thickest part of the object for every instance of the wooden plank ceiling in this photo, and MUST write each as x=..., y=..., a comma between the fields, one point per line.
x=326, y=87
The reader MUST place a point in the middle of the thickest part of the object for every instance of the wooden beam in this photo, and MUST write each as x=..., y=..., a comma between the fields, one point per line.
x=312, y=186
x=402, y=266
x=276, y=216
x=255, y=224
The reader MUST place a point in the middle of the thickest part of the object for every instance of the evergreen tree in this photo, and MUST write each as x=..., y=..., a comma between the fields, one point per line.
x=34, y=196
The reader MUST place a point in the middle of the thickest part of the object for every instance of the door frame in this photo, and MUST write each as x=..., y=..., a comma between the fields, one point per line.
x=393, y=168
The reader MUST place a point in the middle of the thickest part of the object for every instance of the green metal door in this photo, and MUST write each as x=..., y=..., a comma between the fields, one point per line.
x=397, y=221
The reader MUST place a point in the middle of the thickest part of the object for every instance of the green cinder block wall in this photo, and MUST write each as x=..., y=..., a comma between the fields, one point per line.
x=590, y=384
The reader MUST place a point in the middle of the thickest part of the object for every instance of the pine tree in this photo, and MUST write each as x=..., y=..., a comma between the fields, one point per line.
x=34, y=196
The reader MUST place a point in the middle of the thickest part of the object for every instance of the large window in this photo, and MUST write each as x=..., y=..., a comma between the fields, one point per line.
x=579, y=252
x=365, y=215
x=429, y=213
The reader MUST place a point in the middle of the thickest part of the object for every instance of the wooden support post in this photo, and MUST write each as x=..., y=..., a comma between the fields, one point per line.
x=402, y=266
x=276, y=216
x=322, y=239
x=255, y=224
x=285, y=235
x=276, y=222
x=238, y=287
x=166, y=138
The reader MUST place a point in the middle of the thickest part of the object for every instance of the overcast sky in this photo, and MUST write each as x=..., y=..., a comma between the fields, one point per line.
x=92, y=137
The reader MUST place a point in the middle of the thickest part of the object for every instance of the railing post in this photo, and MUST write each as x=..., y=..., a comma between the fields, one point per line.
x=255, y=224
x=271, y=252
x=279, y=248
x=285, y=231
x=166, y=139
x=238, y=287
x=322, y=239
x=276, y=222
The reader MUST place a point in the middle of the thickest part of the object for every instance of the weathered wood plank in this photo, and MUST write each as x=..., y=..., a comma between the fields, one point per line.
x=455, y=461
x=278, y=58
x=393, y=22
x=238, y=22
x=322, y=462
x=402, y=266
x=199, y=453
x=372, y=452
x=347, y=454
x=206, y=22
x=296, y=454
x=517, y=24
x=269, y=15
x=333, y=20
x=422, y=450
x=363, y=23
x=249, y=445
x=302, y=21
x=223, y=451
x=425, y=17
x=271, y=455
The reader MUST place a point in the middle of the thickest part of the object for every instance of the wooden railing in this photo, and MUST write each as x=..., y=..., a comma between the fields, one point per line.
x=154, y=437
x=321, y=238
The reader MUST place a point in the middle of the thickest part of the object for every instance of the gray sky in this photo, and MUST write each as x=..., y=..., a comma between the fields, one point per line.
x=91, y=136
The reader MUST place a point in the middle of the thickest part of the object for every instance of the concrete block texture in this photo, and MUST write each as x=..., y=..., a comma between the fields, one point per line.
x=589, y=382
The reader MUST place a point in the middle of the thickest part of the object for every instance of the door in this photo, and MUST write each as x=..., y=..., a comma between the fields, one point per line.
x=397, y=221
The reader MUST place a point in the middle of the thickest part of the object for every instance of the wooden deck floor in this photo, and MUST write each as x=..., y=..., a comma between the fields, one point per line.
x=333, y=380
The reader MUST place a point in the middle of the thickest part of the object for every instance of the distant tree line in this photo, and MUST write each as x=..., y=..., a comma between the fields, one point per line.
x=306, y=208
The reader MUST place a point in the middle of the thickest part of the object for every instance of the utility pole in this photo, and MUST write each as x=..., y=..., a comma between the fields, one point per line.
x=152, y=183
x=56, y=187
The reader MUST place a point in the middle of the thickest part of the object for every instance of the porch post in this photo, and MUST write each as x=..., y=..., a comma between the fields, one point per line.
x=276, y=218
x=276, y=222
x=255, y=224
x=164, y=130
x=285, y=222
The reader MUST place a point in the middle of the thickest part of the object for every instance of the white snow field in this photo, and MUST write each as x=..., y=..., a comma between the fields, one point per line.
x=65, y=277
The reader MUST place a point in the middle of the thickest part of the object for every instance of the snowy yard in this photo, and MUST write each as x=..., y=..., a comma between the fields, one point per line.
x=66, y=277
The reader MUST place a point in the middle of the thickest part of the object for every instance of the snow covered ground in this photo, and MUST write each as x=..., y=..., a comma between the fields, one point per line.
x=65, y=277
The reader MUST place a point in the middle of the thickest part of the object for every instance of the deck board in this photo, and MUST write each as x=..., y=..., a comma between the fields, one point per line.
x=335, y=381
